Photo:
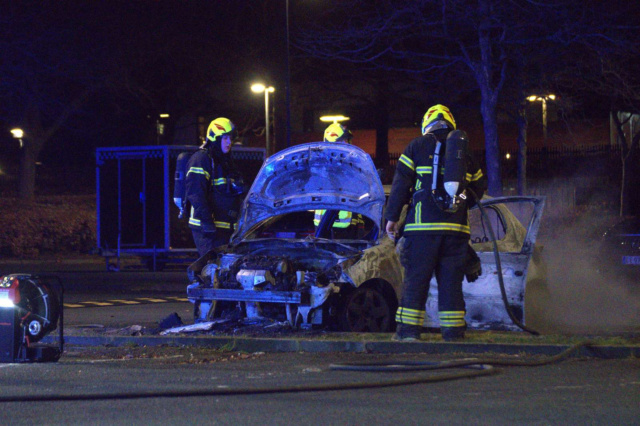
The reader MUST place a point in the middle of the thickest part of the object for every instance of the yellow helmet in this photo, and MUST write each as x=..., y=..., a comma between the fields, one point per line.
x=438, y=117
x=336, y=132
x=219, y=127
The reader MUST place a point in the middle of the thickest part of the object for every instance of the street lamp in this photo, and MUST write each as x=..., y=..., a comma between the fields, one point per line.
x=18, y=134
x=333, y=118
x=288, y=85
x=543, y=99
x=160, y=127
x=259, y=88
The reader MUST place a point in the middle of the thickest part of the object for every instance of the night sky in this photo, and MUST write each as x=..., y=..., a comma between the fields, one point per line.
x=121, y=63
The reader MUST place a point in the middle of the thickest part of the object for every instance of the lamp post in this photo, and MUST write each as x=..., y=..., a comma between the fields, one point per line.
x=543, y=99
x=288, y=85
x=18, y=134
x=259, y=88
x=160, y=127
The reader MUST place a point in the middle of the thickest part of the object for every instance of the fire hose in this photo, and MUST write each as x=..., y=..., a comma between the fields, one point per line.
x=479, y=367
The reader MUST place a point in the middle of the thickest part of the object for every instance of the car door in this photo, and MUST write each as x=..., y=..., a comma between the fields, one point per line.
x=515, y=222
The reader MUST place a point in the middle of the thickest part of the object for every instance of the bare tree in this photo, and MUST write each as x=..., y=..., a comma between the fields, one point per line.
x=437, y=39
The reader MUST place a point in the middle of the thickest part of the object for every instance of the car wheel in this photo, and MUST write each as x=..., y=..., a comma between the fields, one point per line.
x=366, y=309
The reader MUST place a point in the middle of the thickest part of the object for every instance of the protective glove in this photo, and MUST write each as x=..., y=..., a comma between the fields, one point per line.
x=208, y=227
x=473, y=266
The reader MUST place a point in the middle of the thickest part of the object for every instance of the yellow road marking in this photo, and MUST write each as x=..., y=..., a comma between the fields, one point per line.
x=71, y=305
x=99, y=303
x=179, y=299
x=148, y=299
x=125, y=302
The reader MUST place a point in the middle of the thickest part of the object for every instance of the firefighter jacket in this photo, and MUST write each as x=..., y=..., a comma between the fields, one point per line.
x=344, y=219
x=213, y=204
x=412, y=183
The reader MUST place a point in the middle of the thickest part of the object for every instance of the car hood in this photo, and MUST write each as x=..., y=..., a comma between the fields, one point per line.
x=319, y=175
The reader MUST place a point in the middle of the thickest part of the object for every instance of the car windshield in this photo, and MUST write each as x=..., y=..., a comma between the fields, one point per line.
x=338, y=225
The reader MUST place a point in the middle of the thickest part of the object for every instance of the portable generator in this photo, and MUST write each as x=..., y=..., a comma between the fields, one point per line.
x=31, y=306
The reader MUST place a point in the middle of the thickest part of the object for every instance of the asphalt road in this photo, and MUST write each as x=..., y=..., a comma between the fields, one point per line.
x=573, y=392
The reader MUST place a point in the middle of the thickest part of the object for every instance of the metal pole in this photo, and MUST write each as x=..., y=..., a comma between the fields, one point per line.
x=266, y=119
x=544, y=121
x=288, y=88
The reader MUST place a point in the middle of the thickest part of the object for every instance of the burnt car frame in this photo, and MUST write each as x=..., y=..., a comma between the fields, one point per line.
x=351, y=285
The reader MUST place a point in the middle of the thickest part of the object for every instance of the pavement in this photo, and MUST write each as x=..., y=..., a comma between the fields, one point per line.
x=617, y=345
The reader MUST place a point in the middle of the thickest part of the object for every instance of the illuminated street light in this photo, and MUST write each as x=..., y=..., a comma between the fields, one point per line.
x=543, y=99
x=508, y=156
x=18, y=134
x=160, y=127
x=259, y=88
x=333, y=118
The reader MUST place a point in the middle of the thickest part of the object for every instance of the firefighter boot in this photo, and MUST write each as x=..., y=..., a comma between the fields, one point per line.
x=453, y=334
x=407, y=333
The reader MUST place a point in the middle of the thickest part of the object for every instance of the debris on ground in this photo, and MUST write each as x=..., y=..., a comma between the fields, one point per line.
x=192, y=328
x=171, y=321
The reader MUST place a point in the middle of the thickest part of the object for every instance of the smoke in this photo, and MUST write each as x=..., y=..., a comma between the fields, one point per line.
x=578, y=297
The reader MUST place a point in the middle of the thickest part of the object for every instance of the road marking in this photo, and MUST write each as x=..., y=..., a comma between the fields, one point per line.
x=148, y=299
x=125, y=302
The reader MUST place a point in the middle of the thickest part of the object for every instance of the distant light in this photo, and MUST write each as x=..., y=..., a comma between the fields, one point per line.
x=258, y=88
x=17, y=133
x=333, y=118
x=534, y=98
x=508, y=156
x=164, y=115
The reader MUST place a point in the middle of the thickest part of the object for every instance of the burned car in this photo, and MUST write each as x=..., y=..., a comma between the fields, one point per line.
x=281, y=265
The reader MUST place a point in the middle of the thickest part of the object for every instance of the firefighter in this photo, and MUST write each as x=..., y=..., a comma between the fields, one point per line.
x=213, y=188
x=346, y=225
x=436, y=233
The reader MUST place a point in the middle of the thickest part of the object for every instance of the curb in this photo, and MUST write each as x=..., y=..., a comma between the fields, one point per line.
x=297, y=345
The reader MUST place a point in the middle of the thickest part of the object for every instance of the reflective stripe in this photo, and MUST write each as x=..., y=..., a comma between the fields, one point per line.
x=418, y=218
x=199, y=171
x=437, y=227
x=477, y=175
x=452, y=323
x=343, y=221
x=452, y=318
x=409, y=316
x=194, y=222
x=407, y=162
x=223, y=225
x=427, y=170
x=451, y=314
x=220, y=181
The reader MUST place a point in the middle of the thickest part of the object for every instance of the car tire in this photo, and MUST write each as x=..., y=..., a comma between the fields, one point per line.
x=366, y=309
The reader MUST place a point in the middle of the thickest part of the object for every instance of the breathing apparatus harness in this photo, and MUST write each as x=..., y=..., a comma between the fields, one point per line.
x=455, y=196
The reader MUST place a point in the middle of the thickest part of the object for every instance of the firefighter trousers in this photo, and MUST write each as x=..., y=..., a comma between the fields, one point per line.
x=207, y=241
x=422, y=255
